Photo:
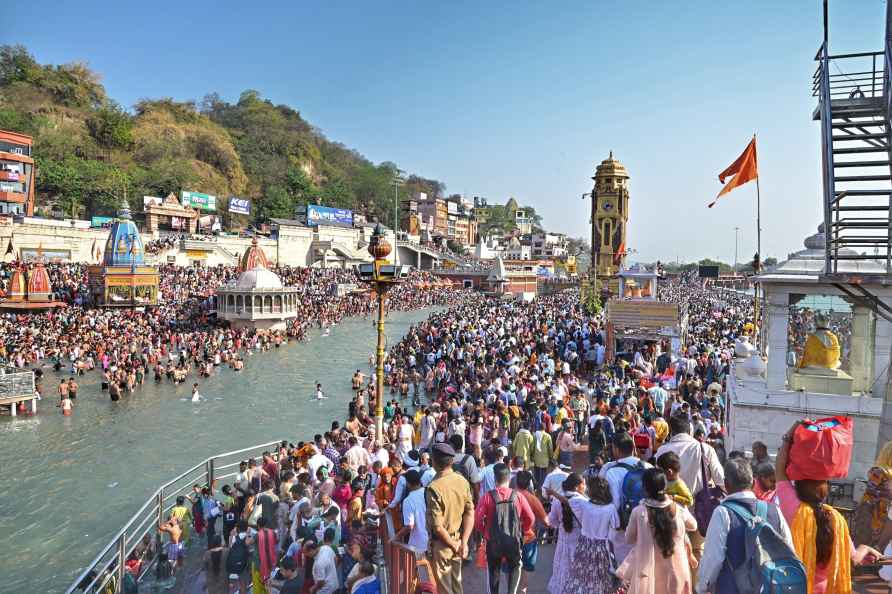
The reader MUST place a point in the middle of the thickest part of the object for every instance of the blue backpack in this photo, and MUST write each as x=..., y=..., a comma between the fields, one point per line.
x=631, y=492
x=770, y=565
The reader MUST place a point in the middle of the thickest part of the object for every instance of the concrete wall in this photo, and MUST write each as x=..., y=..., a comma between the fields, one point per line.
x=759, y=413
x=79, y=242
x=293, y=246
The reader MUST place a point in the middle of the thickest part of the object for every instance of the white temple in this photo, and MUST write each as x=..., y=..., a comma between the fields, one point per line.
x=257, y=299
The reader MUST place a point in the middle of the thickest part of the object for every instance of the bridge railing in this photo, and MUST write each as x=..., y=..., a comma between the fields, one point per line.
x=140, y=539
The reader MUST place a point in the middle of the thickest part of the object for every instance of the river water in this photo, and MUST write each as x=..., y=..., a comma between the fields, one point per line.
x=69, y=483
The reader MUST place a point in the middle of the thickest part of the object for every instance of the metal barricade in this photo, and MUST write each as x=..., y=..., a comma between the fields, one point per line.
x=403, y=565
x=140, y=539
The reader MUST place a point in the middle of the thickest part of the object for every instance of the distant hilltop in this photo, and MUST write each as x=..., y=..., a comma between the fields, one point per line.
x=90, y=151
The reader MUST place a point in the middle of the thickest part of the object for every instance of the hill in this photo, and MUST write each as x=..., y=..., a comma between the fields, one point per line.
x=90, y=151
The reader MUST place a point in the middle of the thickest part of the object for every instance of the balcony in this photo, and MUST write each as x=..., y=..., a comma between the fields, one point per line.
x=14, y=197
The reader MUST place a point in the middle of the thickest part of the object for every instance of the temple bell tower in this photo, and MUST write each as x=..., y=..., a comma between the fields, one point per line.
x=610, y=218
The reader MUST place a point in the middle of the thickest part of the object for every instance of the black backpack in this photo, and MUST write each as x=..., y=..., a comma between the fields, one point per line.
x=461, y=467
x=237, y=560
x=505, y=538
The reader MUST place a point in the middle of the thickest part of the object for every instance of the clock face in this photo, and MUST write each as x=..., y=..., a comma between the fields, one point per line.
x=607, y=205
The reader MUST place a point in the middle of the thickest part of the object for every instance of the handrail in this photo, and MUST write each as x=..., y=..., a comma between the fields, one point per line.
x=154, y=509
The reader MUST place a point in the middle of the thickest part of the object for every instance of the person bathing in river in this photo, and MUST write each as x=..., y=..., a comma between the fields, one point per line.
x=319, y=394
x=196, y=397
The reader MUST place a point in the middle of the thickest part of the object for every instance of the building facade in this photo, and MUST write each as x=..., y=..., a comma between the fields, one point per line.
x=16, y=174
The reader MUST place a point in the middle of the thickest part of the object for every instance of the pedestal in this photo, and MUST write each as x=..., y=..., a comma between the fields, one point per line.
x=820, y=381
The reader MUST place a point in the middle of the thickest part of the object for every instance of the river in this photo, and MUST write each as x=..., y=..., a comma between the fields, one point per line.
x=69, y=483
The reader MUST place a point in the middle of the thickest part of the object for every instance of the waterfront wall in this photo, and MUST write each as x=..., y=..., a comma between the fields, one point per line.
x=295, y=245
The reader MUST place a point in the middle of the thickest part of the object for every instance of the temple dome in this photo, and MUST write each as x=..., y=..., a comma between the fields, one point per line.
x=17, y=285
x=253, y=258
x=39, y=282
x=258, y=278
x=124, y=244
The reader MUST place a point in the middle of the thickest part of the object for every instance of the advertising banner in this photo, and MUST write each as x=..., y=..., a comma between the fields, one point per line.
x=198, y=200
x=239, y=205
x=151, y=201
x=323, y=215
x=101, y=222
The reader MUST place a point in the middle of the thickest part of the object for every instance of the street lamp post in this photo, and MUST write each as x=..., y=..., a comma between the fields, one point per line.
x=382, y=276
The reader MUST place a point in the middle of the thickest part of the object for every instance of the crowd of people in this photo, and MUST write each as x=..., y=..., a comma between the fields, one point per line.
x=180, y=337
x=505, y=427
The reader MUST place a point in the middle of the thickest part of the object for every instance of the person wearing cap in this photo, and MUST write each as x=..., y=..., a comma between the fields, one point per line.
x=450, y=520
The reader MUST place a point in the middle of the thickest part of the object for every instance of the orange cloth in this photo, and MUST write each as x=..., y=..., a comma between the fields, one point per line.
x=744, y=169
x=803, y=529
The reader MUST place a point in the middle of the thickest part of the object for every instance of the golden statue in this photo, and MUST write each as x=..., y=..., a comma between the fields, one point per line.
x=821, y=346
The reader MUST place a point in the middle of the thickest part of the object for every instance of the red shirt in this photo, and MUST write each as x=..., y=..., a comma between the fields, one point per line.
x=486, y=509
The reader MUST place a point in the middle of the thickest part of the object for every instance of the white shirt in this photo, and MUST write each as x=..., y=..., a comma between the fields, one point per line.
x=616, y=477
x=554, y=481
x=414, y=516
x=316, y=462
x=689, y=453
x=325, y=570
x=717, y=537
x=358, y=456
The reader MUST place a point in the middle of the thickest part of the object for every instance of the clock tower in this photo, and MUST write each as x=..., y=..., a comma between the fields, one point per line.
x=610, y=217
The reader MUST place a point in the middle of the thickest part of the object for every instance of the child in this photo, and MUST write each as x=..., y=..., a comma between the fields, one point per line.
x=676, y=488
x=678, y=491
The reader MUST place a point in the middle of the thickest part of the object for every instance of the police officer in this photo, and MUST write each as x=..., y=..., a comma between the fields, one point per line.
x=450, y=520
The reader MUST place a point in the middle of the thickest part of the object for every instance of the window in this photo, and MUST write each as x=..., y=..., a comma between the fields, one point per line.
x=467, y=283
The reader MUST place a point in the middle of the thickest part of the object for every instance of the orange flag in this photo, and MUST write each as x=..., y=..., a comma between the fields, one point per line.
x=618, y=256
x=744, y=169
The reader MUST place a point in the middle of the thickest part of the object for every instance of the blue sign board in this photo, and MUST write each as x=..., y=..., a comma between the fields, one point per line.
x=323, y=215
x=101, y=222
x=239, y=205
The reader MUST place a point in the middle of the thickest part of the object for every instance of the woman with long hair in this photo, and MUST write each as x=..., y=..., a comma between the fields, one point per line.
x=568, y=530
x=658, y=562
x=593, y=567
x=820, y=533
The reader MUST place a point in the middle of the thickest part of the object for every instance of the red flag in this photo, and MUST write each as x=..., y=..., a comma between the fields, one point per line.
x=744, y=169
x=618, y=256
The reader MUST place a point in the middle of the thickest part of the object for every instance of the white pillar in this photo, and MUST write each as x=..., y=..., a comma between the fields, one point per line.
x=778, y=315
x=34, y=406
x=861, y=349
x=12, y=410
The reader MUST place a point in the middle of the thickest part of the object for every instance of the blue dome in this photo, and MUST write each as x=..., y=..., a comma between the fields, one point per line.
x=124, y=245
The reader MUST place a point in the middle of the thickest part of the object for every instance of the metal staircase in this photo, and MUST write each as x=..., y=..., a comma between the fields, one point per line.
x=853, y=92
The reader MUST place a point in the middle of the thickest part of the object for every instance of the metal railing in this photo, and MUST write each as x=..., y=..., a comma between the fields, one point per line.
x=403, y=565
x=105, y=574
x=15, y=382
x=860, y=75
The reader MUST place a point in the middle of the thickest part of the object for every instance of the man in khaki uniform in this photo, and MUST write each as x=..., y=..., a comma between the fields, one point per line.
x=450, y=520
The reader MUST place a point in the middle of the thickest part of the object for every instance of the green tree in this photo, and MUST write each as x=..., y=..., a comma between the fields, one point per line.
x=277, y=203
x=111, y=127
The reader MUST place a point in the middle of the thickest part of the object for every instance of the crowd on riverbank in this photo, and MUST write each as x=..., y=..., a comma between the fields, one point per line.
x=180, y=337
x=488, y=407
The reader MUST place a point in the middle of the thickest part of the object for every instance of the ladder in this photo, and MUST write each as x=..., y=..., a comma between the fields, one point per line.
x=853, y=108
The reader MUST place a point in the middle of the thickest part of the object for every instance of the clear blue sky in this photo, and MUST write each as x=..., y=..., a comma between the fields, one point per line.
x=518, y=98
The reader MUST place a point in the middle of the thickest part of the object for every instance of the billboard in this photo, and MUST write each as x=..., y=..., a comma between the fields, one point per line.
x=199, y=201
x=101, y=222
x=239, y=205
x=708, y=272
x=323, y=215
x=452, y=207
x=151, y=201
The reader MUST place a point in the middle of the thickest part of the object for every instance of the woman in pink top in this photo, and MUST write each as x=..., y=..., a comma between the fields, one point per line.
x=828, y=559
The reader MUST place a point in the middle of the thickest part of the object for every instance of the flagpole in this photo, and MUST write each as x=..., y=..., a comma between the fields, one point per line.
x=760, y=343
